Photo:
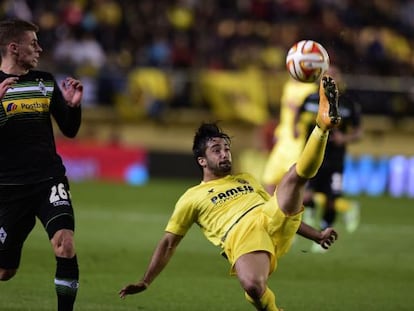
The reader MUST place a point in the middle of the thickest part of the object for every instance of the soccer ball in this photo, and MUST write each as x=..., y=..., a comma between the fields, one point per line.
x=307, y=61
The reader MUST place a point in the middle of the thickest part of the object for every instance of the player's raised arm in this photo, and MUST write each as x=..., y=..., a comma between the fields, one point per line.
x=161, y=256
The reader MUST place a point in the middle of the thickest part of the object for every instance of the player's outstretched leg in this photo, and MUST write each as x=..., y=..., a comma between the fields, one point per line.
x=328, y=117
x=328, y=113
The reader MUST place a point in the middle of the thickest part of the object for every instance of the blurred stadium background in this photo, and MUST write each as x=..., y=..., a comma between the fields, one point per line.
x=154, y=69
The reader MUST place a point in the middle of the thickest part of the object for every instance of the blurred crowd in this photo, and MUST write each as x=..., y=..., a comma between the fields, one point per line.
x=145, y=55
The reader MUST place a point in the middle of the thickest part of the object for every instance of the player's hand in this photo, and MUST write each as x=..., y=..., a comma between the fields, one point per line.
x=328, y=237
x=7, y=84
x=133, y=289
x=72, y=91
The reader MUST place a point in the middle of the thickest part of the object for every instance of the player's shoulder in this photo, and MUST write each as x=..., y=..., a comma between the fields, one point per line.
x=39, y=74
x=350, y=100
x=349, y=97
x=193, y=189
x=244, y=174
x=194, y=194
x=32, y=77
x=3, y=75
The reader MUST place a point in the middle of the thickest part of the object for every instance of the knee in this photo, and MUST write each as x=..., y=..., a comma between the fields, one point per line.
x=65, y=249
x=7, y=274
x=63, y=244
x=254, y=287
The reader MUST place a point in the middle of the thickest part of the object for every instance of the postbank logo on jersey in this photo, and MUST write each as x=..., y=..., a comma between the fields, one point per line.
x=233, y=192
x=11, y=107
x=27, y=99
x=26, y=105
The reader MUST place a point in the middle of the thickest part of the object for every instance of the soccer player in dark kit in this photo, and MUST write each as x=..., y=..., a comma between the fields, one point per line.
x=32, y=175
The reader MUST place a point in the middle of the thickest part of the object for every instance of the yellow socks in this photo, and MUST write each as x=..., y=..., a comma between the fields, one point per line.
x=267, y=301
x=312, y=155
x=342, y=205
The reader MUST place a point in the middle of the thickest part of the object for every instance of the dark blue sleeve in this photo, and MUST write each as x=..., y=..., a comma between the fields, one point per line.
x=67, y=118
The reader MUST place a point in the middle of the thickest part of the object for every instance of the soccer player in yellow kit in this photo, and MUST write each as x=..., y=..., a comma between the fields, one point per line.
x=289, y=139
x=253, y=228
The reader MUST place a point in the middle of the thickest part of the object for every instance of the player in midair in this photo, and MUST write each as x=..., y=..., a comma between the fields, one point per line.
x=253, y=228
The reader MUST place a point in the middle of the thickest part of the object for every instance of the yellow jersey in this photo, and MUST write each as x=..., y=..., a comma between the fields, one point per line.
x=216, y=205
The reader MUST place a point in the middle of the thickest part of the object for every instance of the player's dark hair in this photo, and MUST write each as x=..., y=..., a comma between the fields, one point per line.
x=12, y=30
x=205, y=132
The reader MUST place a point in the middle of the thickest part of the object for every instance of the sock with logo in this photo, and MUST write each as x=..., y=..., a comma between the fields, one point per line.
x=66, y=282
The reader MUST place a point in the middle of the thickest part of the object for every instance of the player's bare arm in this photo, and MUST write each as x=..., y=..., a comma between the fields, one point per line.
x=160, y=258
x=325, y=238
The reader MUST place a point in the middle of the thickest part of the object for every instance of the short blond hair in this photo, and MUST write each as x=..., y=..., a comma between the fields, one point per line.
x=12, y=30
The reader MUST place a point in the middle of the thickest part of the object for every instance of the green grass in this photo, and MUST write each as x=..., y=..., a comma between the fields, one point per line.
x=118, y=227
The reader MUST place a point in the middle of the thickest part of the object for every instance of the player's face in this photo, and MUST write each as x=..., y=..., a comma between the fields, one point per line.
x=27, y=50
x=218, y=156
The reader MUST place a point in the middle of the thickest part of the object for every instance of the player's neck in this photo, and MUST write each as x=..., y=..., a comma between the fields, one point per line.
x=12, y=68
x=210, y=176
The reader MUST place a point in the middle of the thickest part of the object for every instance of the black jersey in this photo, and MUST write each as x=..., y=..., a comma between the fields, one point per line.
x=349, y=110
x=27, y=146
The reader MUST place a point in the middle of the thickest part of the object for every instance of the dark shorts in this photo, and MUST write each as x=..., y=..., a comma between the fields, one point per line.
x=20, y=205
x=328, y=181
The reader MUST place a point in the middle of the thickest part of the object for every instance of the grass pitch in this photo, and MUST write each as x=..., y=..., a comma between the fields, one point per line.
x=118, y=227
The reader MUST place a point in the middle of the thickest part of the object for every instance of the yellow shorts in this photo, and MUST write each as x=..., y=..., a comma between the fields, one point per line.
x=265, y=228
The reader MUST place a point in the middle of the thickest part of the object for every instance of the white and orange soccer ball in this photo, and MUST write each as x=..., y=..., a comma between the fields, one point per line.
x=307, y=61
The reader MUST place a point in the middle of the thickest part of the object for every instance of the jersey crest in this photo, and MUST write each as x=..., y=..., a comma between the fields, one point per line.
x=42, y=88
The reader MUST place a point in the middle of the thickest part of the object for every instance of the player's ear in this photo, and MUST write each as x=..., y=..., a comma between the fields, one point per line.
x=13, y=47
x=202, y=161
